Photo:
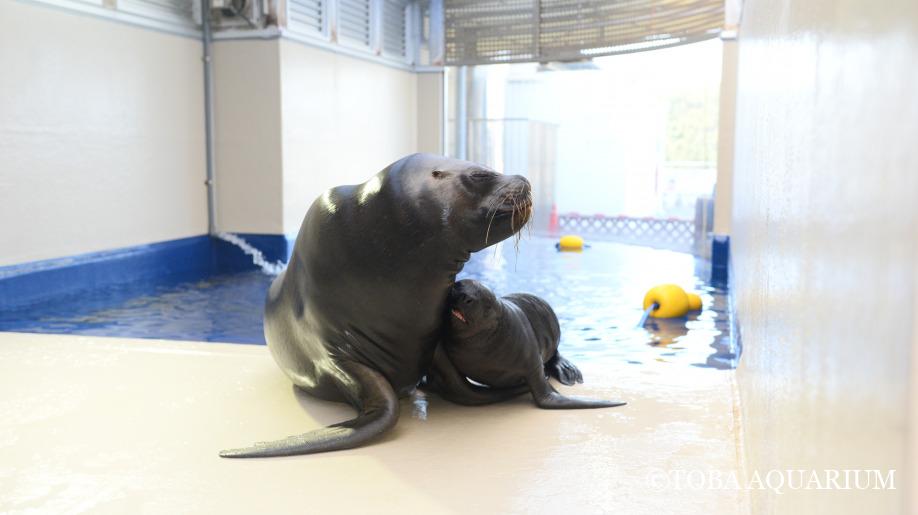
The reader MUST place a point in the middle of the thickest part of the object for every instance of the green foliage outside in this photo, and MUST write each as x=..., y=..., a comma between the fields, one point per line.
x=691, y=128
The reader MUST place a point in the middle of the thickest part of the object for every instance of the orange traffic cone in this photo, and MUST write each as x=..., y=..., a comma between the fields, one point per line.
x=553, y=219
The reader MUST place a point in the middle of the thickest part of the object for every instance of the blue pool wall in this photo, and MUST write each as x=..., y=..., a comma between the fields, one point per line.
x=178, y=260
x=720, y=261
x=183, y=259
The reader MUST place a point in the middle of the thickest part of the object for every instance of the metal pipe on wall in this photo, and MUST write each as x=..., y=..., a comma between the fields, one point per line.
x=206, y=36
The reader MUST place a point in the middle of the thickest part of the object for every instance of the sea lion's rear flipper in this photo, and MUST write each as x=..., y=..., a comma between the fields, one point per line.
x=377, y=407
x=444, y=379
x=563, y=370
x=546, y=397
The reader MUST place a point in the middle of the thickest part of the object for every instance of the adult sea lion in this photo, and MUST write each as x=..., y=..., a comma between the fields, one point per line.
x=507, y=343
x=357, y=314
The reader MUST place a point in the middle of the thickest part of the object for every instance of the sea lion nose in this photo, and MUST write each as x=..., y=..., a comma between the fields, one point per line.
x=456, y=296
x=522, y=183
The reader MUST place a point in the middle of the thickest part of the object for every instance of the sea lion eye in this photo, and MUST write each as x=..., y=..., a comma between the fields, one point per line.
x=437, y=174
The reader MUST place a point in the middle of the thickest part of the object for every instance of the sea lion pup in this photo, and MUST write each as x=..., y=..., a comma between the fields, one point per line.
x=510, y=342
x=358, y=312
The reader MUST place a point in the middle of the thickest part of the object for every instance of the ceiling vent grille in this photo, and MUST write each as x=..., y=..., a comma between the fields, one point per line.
x=502, y=31
x=165, y=10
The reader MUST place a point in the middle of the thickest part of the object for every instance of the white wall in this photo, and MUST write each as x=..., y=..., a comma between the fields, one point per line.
x=824, y=243
x=101, y=135
x=344, y=119
x=102, y=131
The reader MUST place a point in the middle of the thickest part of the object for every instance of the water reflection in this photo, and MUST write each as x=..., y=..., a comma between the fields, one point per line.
x=597, y=295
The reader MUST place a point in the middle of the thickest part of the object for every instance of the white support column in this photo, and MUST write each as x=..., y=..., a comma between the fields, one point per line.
x=462, y=115
x=723, y=195
x=331, y=22
x=436, y=39
x=247, y=115
x=431, y=112
x=414, y=27
x=376, y=25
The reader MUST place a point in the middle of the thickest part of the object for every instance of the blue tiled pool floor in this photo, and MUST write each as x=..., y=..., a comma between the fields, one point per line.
x=224, y=308
x=596, y=293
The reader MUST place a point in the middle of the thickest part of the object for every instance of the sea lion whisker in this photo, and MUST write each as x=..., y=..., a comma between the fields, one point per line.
x=495, y=204
x=494, y=213
x=498, y=199
x=517, y=235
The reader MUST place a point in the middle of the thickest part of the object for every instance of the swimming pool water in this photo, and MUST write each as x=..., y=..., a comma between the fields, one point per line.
x=596, y=294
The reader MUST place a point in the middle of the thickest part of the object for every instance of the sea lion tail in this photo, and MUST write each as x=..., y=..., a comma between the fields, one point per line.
x=377, y=406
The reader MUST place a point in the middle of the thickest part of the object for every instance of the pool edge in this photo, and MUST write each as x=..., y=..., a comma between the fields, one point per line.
x=28, y=283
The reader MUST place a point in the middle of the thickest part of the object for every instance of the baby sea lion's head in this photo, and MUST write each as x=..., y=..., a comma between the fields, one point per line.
x=472, y=307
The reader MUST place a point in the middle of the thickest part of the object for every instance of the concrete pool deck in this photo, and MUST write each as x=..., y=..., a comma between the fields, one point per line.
x=117, y=425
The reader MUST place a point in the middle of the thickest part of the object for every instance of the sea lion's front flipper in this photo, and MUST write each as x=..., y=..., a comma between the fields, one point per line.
x=444, y=379
x=377, y=407
x=546, y=397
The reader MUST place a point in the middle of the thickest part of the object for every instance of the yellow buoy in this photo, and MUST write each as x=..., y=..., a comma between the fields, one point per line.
x=672, y=301
x=694, y=302
x=570, y=242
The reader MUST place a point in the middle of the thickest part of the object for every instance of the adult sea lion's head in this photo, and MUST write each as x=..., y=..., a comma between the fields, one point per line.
x=469, y=203
x=473, y=308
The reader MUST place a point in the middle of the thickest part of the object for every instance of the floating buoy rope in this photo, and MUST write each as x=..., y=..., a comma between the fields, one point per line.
x=668, y=301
